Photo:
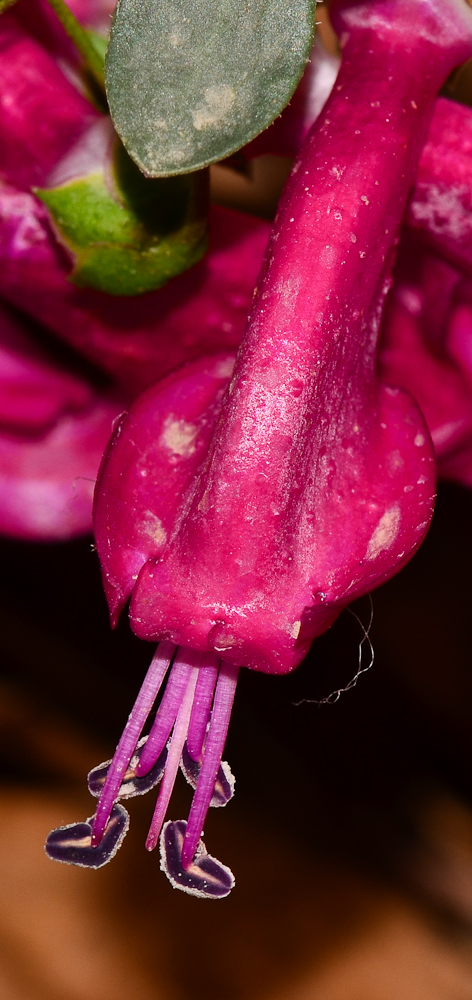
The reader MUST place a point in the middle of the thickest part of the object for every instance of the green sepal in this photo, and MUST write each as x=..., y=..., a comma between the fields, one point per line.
x=127, y=234
x=191, y=81
x=5, y=4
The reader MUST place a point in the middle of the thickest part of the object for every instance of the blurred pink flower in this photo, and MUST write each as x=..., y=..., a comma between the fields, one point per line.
x=54, y=425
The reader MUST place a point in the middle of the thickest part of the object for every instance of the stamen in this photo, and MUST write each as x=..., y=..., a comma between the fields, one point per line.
x=72, y=844
x=206, y=877
x=130, y=784
x=201, y=710
x=173, y=759
x=213, y=752
x=225, y=780
x=124, y=751
x=185, y=662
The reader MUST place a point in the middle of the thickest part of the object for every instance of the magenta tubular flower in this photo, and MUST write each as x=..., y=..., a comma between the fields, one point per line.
x=426, y=336
x=242, y=515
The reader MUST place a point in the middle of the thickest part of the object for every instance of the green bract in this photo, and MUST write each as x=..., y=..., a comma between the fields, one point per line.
x=191, y=81
x=127, y=234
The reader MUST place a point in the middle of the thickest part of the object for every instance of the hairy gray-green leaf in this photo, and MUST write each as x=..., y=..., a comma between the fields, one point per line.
x=191, y=81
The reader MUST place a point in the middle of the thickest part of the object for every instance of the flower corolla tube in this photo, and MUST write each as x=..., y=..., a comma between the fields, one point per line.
x=241, y=504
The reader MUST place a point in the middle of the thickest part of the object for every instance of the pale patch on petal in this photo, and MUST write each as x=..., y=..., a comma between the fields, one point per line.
x=152, y=526
x=179, y=436
x=385, y=533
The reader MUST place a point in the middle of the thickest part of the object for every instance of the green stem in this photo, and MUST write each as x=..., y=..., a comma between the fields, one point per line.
x=82, y=41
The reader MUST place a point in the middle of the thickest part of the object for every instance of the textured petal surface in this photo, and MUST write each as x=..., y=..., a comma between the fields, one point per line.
x=148, y=466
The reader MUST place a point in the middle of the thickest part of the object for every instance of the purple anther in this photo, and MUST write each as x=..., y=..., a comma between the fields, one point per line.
x=214, y=746
x=185, y=662
x=73, y=844
x=131, y=785
x=176, y=746
x=130, y=736
x=205, y=877
x=201, y=710
x=225, y=780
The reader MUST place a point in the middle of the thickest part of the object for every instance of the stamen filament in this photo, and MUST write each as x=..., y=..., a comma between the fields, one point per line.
x=187, y=660
x=201, y=710
x=173, y=761
x=131, y=733
x=214, y=746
